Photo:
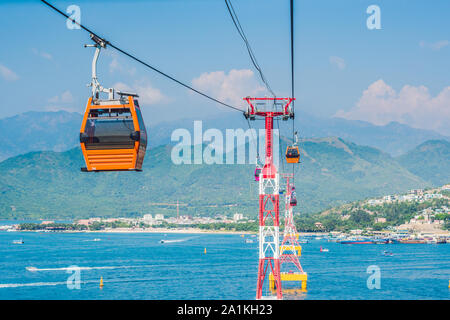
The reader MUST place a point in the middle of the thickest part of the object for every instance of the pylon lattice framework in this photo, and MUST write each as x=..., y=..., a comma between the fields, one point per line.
x=269, y=195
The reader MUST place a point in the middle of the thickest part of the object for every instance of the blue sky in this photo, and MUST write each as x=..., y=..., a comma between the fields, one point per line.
x=404, y=67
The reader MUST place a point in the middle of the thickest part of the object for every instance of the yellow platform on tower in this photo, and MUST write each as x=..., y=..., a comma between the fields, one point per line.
x=287, y=247
x=290, y=276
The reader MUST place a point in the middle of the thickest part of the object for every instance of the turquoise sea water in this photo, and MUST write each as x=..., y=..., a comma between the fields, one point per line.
x=138, y=266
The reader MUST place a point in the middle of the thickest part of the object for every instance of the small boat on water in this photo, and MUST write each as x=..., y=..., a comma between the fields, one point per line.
x=18, y=241
x=387, y=253
x=248, y=241
x=436, y=241
x=381, y=241
x=94, y=240
x=324, y=249
x=413, y=241
x=173, y=241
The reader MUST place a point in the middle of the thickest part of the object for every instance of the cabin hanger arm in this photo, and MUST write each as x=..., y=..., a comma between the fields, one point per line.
x=95, y=84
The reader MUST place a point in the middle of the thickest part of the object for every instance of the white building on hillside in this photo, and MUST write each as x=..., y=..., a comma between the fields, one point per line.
x=148, y=218
x=429, y=196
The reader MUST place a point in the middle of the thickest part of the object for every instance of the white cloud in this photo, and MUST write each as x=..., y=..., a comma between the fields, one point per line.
x=337, y=62
x=65, y=97
x=148, y=95
x=231, y=87
x=8, y=74
x=434, y=45
x=381, y=104
x=42, y=54
x=116, y=66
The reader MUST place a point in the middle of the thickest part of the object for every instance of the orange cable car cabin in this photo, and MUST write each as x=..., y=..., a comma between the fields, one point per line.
x=292, y=154
x=113, y=135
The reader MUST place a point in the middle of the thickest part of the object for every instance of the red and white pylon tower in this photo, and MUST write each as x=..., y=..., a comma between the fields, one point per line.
x=269, y=195
x=290, y=248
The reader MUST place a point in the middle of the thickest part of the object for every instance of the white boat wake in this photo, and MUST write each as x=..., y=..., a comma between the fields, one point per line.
x=172, y=241
x=34, y=269
x=40, y=284
x=36, y=284
x=175, y=240
x=44, y=284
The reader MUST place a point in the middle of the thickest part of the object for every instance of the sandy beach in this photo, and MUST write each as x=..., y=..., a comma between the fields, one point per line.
x=162, y=230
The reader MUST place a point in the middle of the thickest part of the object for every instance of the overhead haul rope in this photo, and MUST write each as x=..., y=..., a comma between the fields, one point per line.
x=253, y=59
x=241, y=32
x=140, y=61
x=292, y=77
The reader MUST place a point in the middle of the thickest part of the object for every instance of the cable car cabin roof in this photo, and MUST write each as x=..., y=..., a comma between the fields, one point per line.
x=113, y=135
x=113, y=103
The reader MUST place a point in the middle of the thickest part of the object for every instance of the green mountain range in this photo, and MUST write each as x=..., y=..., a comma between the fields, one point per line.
x=58, y=131
x=430, y=161
x=38, y=131
x=332, y=171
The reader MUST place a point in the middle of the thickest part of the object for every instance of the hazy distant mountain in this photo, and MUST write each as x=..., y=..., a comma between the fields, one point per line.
x=332, y=171
x=430, y=161
x=393, y=138
x=37, y=131
x=58, y=131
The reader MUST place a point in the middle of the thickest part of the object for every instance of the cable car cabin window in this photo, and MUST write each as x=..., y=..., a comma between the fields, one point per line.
x=109, y=129
x=143, y=141
x=143, y=135
x=292, y=153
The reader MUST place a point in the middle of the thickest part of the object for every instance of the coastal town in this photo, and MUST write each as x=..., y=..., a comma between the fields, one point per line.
x=419, y=195
x=427, y=221
x=431, y=218
x=146, y=223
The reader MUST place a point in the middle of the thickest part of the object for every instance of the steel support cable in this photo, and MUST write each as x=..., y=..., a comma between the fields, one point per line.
x=253, y=59
x=292, y=75
x=140, y=61
x=255, y=142
x=241, y=32
x=249, y=48
x=280, y=150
